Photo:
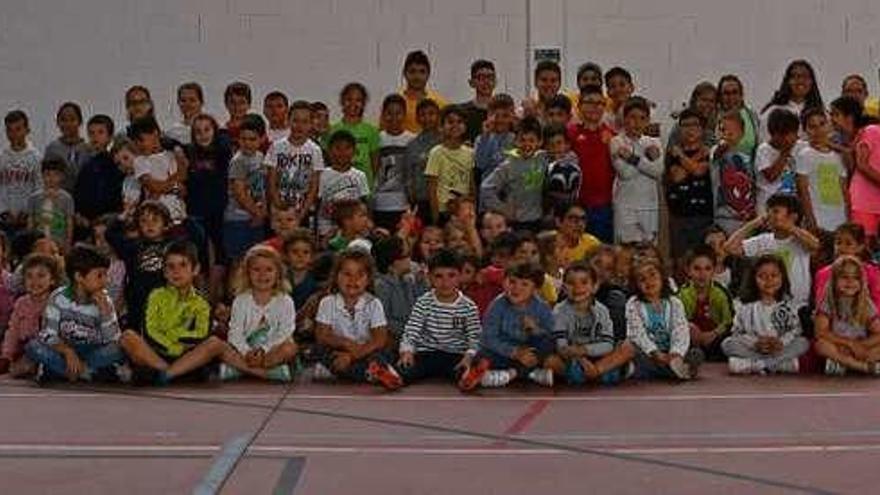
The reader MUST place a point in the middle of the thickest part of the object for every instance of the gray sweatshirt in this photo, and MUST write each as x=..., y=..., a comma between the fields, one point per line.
x=516, y=187
x=593, y=330
x=19, y=178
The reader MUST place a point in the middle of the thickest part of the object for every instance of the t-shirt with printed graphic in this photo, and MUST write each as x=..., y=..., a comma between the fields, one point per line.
x=251, y=170
x=51, y=214
x=765, y=157
x=733, y=182
x=294, y=165
x=389, y=193
x=334, y=186
x=793, y=254
x=825, y=174
x=453, y=168
x=366, y=137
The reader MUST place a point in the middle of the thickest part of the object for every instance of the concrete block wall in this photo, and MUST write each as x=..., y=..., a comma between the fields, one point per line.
x=90, y=50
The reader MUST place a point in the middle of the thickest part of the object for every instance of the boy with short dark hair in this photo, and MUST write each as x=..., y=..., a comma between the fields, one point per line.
x=516, y=187
x=590, y=138
x=482, y=81
x=284, y=221
x=417, y=150
x=707, y=304
x=162, y=174
x=563, y=184
x=620, y=87
x=248, y=207
x=558, y=110
x=320, y=123
x=298, y=252
x=395, y=284
x=389, y=199
x=688, y=188
x=339, y=182
x=442, y=334
x=585, y=332
x=548, y=85
x=190, y=99
x=774, y=159
x=50, y=209
x=20, y=170
x=416, y=72
x=98, y=189
x=80, y=334
x=785, y=239
x=237, y=100
x=275, y=110
x=176, y=339
x=144, y=257
x=496, y=137
x=518, y=331
x=352, y=219
x=295, y=164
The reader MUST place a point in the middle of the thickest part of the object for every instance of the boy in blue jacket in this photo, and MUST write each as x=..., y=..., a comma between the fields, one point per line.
x=518, y=331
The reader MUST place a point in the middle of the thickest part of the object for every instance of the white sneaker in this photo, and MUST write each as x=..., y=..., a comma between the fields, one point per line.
x=833, y=368
x=123, y=373
x=543, y=377
x=680, y=368
x=496, y=378
x=320, y=372
x=788, y=366
x=742, y=366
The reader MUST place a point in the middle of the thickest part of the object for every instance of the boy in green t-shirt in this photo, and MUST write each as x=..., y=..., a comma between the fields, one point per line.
x=353, y=100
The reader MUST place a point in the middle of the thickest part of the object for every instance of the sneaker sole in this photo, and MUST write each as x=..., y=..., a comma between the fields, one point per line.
x=474, y=375
x=384, y=376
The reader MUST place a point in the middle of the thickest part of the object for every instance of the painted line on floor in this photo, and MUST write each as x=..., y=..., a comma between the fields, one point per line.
x=301, y=450
x=223, y=465
x=290, y=476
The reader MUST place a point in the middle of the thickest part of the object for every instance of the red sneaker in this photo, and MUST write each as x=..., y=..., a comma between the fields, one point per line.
x=385, y=375
x=471, y=378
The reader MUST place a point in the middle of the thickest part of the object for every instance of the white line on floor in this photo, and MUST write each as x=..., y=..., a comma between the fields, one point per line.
x=453, y=398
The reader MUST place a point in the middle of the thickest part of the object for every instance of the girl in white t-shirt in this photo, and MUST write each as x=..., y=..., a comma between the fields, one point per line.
x=263, y=318
x=350, y=327
x=766, y=333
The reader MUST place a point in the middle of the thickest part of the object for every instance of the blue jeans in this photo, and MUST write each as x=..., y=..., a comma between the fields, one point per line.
x=544, y=346
x=600, y=223
x=96, y=357
x=239, y=236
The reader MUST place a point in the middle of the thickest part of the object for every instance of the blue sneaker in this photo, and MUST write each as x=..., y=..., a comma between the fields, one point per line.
x=612, y=377
x=574, y=373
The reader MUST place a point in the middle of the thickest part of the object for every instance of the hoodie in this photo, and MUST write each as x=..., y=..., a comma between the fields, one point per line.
x=516, y=187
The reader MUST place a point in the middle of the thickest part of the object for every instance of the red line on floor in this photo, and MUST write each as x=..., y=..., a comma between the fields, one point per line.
x=523, y=422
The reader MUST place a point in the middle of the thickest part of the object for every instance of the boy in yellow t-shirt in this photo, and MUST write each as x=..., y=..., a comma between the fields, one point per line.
x=450, y=165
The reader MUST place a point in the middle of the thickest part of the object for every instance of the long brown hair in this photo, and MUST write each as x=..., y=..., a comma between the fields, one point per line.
x=859, y=310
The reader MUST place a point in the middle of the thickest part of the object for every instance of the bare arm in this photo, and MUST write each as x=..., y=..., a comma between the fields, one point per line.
x=272, y=186
x=734, y=244
x=325, y=336
x=432, y=197
x=803, y=192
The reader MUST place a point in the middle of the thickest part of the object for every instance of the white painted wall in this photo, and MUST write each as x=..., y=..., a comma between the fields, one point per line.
x=90, y=50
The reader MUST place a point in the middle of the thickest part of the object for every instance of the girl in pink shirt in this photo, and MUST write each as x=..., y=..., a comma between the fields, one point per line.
x=41, y=275
x=849, y=240
x=864, y=187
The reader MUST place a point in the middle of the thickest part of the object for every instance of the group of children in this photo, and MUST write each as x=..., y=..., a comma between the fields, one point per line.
x=482, y=243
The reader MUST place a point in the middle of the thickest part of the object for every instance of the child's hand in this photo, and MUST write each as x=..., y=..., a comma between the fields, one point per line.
x=859, y=351
x=342, y=361
x=661, y=358
x=104, y=303
x=254, y=358
x=652, y=152
x=407, y=359
x=625, y=152
x=677, y=174
x=526, y=356
x=75, y=366
x=465, y=363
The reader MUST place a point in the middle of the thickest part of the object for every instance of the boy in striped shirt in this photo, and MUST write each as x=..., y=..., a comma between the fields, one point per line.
x=80, y=334
x=443, y=331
